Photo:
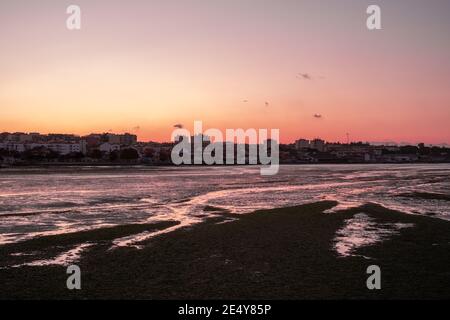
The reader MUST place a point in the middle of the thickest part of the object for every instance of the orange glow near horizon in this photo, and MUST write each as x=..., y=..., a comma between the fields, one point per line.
x=144, y=67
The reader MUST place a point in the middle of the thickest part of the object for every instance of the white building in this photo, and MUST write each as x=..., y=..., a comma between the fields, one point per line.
x=60, y=148
x=11, y=146
x=64, y=148
x=108, y=147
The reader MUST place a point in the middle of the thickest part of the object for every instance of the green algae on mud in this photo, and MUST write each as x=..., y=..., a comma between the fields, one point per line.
x=284, y=253
x=52, y=244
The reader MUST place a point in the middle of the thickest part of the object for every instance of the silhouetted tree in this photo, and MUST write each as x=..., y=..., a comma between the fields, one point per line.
x=96, y=154
x=149, y=152
x=114, y=155
x=163, y=156
x=129, y=154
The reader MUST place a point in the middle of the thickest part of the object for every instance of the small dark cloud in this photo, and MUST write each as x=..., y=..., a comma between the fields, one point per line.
x=266, y=104
x=137, y=128
x=308, y=76
x=317, y=116
x=245, y=101
x=178, y=125
x=304, y=76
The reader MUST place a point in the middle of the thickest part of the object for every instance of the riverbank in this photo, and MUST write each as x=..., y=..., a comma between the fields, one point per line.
x=285, y=253
x=53, y=167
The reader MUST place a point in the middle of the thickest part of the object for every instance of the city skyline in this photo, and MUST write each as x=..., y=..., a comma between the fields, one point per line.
x=307, y=71
x=30, y=137
x=295, y=139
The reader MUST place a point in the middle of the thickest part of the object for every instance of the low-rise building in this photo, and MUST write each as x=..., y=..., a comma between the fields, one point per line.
x=60, y=148
x=318, y=144
x=12, y=146
x=108, y=147
x=126, y=139
x=302, y=144
x=399, y=158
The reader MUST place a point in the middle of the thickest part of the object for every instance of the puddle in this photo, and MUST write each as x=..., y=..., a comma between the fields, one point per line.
x=361, y=231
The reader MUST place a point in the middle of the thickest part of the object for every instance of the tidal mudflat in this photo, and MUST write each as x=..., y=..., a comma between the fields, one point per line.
x=309, y=233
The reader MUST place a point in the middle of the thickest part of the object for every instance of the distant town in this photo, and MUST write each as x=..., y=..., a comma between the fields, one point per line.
x=22, y=149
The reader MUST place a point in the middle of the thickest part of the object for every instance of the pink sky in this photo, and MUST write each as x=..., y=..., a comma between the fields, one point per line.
x=153, y=64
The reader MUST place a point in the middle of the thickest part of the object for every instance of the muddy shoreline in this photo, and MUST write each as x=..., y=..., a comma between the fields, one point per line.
x=284, y=253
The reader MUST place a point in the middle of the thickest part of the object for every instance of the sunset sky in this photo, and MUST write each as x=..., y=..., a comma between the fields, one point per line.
x=144, y=66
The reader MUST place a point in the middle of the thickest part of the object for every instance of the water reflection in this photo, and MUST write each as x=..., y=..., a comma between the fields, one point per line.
x=361, y=231
x=35, y=204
